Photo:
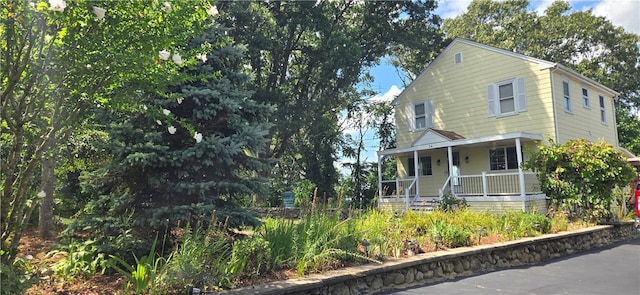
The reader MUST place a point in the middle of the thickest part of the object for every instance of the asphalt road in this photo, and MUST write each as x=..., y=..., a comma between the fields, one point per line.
x=609, y=270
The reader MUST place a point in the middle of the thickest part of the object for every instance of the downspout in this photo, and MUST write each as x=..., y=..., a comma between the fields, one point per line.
x=553, y=102
x=521, y=174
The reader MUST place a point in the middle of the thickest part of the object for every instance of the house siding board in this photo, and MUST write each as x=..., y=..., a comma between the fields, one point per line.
x=583, y=122
x=459, y=92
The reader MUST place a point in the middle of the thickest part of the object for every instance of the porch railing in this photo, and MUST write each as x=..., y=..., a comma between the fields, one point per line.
x=399, y=189
x=486, y=184
x=492, y=184
x=446, y=188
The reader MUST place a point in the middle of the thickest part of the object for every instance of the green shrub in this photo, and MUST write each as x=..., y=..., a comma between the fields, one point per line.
x=16, y=277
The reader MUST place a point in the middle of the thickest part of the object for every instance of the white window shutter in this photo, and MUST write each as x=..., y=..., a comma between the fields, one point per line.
x=430, y=113
x=521, y=98
x=491, y=99
x=411, y=120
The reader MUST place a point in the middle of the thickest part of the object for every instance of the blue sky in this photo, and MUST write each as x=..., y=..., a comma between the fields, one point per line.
x=624, y=13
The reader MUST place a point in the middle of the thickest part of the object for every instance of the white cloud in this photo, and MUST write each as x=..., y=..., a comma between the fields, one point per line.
x=388, y=96
x=452, y=8
x=540, y=7
x=624, y=13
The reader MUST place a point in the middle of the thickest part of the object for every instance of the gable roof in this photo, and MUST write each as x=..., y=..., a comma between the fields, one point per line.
x=542, y=63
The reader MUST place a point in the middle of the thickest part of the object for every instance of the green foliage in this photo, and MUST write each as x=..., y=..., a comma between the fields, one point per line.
x=580, y=175
x=333, y=43
x=312, y=244
x=449, y=202
x=201, y=258
x=81, y=260
x=141, y=275
x=190, y=154
x=250, y=258
x=16, y=277
x=451, y=235
x=60, y=67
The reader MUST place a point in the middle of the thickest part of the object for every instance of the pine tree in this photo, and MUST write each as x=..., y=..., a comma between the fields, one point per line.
x=188, y=154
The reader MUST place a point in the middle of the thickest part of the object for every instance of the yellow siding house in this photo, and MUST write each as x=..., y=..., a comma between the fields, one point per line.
x=466, y=123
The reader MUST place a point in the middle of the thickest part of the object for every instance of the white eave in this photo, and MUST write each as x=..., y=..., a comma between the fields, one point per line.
x=461, y=142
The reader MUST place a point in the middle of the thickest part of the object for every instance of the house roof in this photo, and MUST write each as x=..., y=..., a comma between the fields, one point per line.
x=544, y=65
x=448, y=134
x=434, y=136
x=425, y=145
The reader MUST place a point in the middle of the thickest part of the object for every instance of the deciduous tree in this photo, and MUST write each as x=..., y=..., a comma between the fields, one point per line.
x=61, y=59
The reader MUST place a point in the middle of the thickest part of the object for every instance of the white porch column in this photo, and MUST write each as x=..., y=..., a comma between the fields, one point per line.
x=417, y=170
x=521, y=174
x=450, y=163
x=379, y=179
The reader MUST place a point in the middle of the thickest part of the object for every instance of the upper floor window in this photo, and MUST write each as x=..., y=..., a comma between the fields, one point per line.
x=457, y=58
x=566, y=96
x=585, y=98
x=424, y=166
x=603, y=114
x=507, y=97
x=422, y=115
x=503, y=158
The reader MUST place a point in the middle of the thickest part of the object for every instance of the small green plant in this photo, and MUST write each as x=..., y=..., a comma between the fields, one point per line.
x=140, y=276
x=81, y=260
x=449, y=203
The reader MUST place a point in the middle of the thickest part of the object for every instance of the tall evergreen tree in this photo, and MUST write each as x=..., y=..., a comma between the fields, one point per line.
x=188, y=155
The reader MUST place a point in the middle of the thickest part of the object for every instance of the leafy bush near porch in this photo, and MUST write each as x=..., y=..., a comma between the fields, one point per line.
x=580, y=176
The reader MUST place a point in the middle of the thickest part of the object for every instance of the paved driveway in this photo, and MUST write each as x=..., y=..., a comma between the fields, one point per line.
x=614, y=269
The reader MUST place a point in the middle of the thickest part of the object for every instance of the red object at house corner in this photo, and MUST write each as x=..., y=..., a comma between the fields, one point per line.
x=637, y=200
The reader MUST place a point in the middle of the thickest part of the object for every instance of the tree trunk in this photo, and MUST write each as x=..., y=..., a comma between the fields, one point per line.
x=45, y=218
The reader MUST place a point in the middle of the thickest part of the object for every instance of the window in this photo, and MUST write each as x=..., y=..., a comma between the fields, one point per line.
x=503, y=158
x=507, y=98
x=566, y=96
x=457, y=58
x=424, y=166
x=585, y=98
x=421, y=115
x=603, y=114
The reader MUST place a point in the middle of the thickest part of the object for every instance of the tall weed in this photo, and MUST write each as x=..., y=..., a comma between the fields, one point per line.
x=142, y=275
x=200, y=259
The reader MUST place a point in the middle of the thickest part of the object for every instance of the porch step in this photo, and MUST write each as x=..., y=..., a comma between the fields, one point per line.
x=423, y=205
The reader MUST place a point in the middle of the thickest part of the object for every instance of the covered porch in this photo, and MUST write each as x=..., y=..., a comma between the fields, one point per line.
x=485, y=171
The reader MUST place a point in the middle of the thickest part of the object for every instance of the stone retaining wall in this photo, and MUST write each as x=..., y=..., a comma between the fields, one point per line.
x=445, y=265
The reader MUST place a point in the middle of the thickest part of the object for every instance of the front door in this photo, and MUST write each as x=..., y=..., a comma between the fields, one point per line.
x=455, y=172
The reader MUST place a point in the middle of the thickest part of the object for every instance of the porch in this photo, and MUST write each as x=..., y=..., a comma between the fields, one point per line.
x=506, y=187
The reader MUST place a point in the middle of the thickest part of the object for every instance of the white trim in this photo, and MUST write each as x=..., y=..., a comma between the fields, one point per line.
x=505, y=198
x=460, y=142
